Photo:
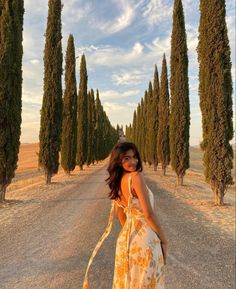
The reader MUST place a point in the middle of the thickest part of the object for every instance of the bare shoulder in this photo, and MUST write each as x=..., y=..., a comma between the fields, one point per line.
x=137, y=176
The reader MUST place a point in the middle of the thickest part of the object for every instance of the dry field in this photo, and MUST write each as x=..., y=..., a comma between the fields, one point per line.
x=47, y=233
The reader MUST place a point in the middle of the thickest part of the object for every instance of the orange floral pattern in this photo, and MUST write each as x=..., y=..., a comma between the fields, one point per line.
x=139, y=261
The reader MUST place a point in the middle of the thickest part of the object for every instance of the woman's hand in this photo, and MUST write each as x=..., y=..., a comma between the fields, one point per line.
x=164, y=251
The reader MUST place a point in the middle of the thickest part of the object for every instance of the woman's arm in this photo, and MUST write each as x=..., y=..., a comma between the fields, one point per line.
x=141, y=190
x=120, y=214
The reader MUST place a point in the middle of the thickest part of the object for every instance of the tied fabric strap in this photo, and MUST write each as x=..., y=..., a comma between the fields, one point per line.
x=99, y=244
x=127, y=281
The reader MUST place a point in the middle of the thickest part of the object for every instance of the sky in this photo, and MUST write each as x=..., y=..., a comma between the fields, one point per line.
x=122, y=41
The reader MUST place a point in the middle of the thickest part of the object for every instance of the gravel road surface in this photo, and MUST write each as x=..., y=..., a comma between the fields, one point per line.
x=46, y=241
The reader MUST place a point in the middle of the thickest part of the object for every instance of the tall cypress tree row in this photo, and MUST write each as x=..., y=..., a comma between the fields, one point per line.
x=150, y=136
x=142, y=130
x=155, y=113
x=51, y=112
x=99, y=123
x=11, y=51
x=134, y=128
x=82, y=119
x=69, y=122
x=93, y=138
x=128, y=132
x=180, y=111
x=215, y=89
x=145, y=125
x=163, y=130
x=89, y=130
x=139, y=123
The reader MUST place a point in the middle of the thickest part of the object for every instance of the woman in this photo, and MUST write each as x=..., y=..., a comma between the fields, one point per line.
x=141, y=246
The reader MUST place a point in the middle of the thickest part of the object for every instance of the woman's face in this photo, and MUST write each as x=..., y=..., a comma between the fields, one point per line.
x=129, y=161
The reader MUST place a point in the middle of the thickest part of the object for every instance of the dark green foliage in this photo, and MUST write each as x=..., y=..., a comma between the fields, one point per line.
x=51, y=112
x=128, y=132
x=138, y=125
x=91, y=132
x=142, y=129
x=11, y=51
x=134, y=128
x=180, y=111
x=163, y=146
x=82, y=121
x=150, y=126
x=215, y=90
x=99, y=132
x=118, y=128
x=155, y=117
x=145, y=116
x=106, y=135
x=69, y=123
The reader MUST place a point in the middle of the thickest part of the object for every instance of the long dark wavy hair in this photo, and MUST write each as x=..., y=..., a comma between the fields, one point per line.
x=115, y=168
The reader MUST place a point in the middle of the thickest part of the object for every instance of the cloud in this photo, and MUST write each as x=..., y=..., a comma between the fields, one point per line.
x=73, y=11
x=159, y=45
x=121, y=22
x=113, y=56
x=156, y=11
x=128, y=77
x=112, y=94
x=115, y=110
x=35, y=61
x=39, y=8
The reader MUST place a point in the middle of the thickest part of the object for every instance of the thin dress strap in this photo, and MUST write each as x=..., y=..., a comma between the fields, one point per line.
x=130, y=192
x=129, y=223
x=99, y=244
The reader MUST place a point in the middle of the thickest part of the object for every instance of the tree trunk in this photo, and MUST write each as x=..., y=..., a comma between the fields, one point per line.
x=163, y=166
x=180, y=180
x=164, y=171
x=155, y=164
x=68, y=173
x=219, y=197
x=81, y=167
x=48, y=177
x=3, y=189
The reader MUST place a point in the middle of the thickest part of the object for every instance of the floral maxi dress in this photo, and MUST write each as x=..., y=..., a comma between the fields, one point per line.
x=139, y=262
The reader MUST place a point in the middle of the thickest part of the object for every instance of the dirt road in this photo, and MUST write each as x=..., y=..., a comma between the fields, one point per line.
x=46, y=240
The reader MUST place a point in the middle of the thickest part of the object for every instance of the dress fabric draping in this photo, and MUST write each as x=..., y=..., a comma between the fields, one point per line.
x=139, y=260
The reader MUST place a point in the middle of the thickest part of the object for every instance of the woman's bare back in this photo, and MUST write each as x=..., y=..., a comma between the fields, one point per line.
x=124, y=191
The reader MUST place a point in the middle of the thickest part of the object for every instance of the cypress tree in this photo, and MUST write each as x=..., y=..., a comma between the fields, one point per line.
x=11, y=51
x=118, y=129
x=89, y=130
x=99, y=124
x=69, y=122
x=215, y=90
x=138, y=130
x=155, y=116
x=180, y=111
x=93, y=126
x=51, y=112
x=150, y=136
x=163, y=130
x=142, y=130
x=145, y=125
x=128, y=132
x=134, y=128
x=82, y=119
